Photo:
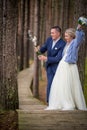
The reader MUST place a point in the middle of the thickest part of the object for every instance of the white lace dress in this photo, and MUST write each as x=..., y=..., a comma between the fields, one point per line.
x=66, y=90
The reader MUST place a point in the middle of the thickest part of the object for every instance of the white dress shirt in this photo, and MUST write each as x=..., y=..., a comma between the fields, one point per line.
x=54, y=42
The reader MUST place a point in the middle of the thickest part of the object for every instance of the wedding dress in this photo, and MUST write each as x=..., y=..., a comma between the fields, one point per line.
x=66, y=91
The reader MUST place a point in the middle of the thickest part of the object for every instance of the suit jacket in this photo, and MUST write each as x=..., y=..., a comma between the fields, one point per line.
x=72, y=53
x=54, y=54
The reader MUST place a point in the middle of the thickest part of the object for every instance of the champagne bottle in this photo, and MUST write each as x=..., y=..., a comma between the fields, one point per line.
x=38, y=53
x=82, y=21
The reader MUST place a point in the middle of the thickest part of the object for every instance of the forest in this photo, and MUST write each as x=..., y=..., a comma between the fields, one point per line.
x=17, y=17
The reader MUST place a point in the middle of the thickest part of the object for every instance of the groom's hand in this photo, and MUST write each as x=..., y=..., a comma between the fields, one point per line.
x=42, y=57
x=36, y=49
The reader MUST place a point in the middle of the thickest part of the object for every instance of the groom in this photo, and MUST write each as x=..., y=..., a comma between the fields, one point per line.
x=54, y=46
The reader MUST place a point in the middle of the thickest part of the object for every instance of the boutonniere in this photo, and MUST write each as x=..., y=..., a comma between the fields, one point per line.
x=55, y=48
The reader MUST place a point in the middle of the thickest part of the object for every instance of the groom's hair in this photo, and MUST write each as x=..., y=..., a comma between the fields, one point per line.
x=57, y=28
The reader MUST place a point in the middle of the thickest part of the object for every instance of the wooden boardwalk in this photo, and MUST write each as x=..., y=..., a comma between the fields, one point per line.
x=32, y=115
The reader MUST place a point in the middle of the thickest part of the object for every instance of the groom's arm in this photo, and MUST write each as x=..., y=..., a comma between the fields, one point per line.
x=44, y=47
x=50, y=59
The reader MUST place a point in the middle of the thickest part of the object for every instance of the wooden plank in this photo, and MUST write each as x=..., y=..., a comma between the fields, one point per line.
x=32, y=116
x=53, y=120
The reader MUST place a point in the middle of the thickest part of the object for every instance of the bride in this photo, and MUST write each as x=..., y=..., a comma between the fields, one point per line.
x=66, y=90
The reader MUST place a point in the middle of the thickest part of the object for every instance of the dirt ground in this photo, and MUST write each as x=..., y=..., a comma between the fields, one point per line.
x=8, y=120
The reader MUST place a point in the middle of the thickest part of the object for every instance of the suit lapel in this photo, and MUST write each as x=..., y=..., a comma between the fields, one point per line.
x=55, y=48
x=50, y=45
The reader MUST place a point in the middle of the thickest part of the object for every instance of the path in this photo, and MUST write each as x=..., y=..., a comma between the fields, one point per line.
x=26, y=99
x=32, y=115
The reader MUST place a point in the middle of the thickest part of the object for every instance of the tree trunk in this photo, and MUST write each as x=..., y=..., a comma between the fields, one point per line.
x=21, y=34
x=31, y=27
x=36, y=63
x=82, y=52
x=9, y=89
x=26, y=41
x=48, y=18
x=1, y=55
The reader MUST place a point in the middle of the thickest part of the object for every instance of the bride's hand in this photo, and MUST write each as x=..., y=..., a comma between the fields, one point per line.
x=79, y=26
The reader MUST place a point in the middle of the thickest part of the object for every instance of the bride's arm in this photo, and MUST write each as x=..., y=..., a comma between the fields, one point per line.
x=80, y=35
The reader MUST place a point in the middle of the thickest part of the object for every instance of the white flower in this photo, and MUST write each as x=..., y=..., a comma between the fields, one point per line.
x=29, y=32
x=55, y=48
x=34, y=40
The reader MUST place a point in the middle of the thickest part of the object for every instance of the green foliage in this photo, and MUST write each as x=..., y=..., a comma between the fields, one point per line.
x=85, y=84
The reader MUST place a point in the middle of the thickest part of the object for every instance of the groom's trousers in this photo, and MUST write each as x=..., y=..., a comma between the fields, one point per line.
x=50, y=76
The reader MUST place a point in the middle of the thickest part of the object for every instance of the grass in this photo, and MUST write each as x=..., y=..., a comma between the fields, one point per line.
x=85, y=84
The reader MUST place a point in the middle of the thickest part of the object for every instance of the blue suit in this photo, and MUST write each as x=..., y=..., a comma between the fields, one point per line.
x=54, y=55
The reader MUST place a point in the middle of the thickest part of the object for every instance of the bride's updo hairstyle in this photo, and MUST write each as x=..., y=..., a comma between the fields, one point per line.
x=71, y=32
